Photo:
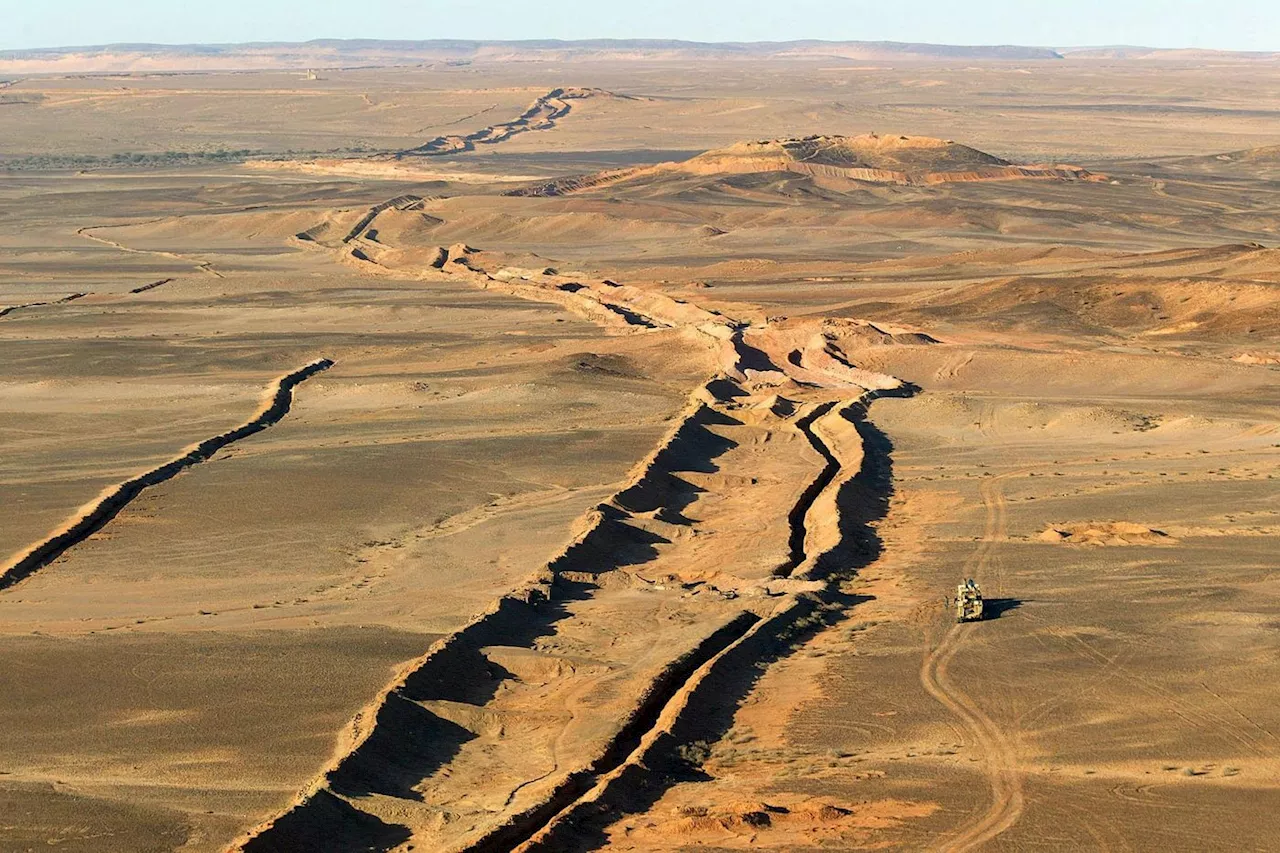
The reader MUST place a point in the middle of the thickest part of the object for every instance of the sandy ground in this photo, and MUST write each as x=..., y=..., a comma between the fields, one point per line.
x=626, y=512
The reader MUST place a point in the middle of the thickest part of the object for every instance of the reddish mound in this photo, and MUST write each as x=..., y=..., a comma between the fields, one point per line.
x=870, y=158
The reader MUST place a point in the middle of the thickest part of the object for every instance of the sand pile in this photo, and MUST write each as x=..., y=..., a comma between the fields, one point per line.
x=1105, y=533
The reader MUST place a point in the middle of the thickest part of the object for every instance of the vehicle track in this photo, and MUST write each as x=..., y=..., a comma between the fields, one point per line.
x=203, y=266
x=997, y=748
x=93, y=517
x=952, y=368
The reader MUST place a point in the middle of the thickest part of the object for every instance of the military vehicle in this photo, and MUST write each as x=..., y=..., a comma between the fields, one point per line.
x=968, y=602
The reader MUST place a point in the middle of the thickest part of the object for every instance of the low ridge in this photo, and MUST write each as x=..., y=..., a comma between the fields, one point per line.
x=869, y=158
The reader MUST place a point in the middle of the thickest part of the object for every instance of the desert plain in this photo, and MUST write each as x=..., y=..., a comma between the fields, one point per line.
x=567, y=449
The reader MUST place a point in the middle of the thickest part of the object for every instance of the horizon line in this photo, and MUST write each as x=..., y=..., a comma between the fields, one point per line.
x=673, y=42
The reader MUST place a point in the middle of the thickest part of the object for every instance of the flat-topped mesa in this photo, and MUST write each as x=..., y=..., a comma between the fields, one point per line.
x=837, y=160
x=870, y=157
x=1268, y=154
x=1260, y=162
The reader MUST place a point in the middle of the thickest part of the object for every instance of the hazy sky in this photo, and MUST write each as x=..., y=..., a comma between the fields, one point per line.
x=1227, y=24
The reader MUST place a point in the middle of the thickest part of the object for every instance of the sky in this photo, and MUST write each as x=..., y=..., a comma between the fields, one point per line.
x=1222, y=24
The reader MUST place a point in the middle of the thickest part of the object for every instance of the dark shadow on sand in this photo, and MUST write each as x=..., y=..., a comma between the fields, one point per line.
x=408, y=742
x=863, y=500
x=994, y=608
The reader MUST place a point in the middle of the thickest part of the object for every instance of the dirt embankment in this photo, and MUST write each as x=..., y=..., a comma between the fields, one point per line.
x=675, y=728
x=573, y=184
x=152, y=286
x=404, y=202
x=9, y=309
x=548, y=696
x=395, y=746
x=542, y=114
x=94, y=516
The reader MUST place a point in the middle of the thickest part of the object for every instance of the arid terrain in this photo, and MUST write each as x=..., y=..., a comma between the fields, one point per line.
x=562, y=447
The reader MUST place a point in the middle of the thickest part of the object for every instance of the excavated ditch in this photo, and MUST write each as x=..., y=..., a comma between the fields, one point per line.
x=399, y=743
x=800, y=511
x=542, y=114
x=98, y=514
x=9, y=309
x=520, y=828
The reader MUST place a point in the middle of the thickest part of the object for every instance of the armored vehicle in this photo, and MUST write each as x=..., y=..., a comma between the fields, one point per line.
x=968, y=602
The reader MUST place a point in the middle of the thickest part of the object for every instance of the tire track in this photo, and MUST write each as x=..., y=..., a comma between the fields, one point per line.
x=93, y=517
x=467, y=117
x=1007, y=799
x=952, y=368
x=203, y=266
x=1191, y=713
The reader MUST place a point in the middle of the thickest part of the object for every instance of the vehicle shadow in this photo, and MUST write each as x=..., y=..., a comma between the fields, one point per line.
x=994, y=608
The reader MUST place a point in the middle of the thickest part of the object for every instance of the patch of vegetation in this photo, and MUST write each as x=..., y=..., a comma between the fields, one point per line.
x=165, y=159
x=695, y=753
